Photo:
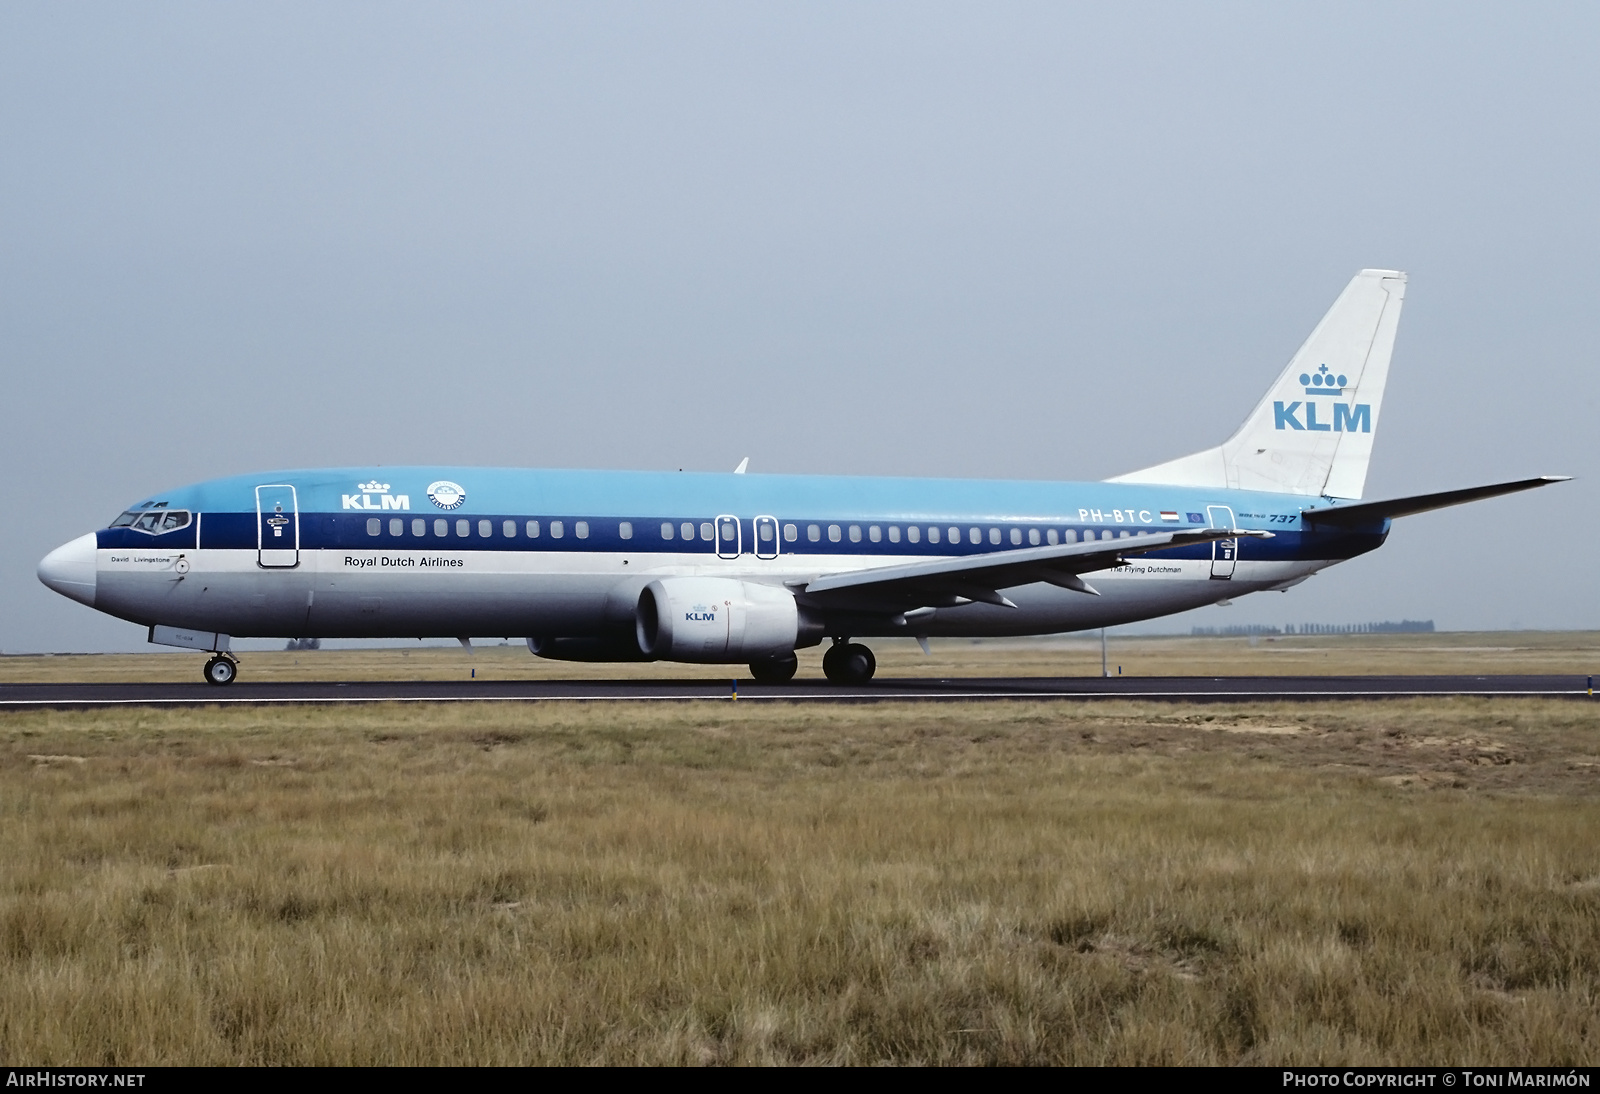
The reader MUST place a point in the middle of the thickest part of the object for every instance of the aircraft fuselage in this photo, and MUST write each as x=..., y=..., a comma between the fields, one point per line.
x=412, y=552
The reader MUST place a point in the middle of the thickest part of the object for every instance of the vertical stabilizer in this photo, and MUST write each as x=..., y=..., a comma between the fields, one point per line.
x=1312, y=432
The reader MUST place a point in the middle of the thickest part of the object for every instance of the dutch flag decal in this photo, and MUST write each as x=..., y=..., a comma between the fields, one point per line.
x=1169, y=515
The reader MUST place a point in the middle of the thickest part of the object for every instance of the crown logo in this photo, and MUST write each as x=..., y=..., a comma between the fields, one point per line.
x=1323, y=382
x=373, y=487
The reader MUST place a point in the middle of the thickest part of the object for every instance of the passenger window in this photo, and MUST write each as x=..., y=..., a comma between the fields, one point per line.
x=955, y=534
x=727, y=533
x=914, y=534
x=1069, y=536
x=707, y=532
x=833, y=533
x=1016, y=536
x=557, y=529
x=397, y=527
x=790, y=533
x=441, y=527
x=976, y=536
x=855, y=533
x=894, y=533
x=933, y=534
x=374, y=526
x=1124, y=535
x=463, y=527
x=582, y=528
x=1051, y=537
x=625, y=529
x=764, y=532
x=875, y=534
x=686, y=530
x=813, y=532
x=666, y=529
x=1033, y=536
x=509, y=529
x=533, y=529
x=419, y=527
x=486, y=528
x=994, y=535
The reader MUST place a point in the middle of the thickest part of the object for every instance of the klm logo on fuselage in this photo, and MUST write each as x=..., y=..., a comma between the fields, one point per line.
x=1341, y=417
x=364, y=500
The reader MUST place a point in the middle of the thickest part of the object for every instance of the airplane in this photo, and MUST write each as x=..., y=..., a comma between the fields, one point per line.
x=748, y=568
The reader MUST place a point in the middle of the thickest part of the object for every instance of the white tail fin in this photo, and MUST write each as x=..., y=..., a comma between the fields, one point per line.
x=1312, y=432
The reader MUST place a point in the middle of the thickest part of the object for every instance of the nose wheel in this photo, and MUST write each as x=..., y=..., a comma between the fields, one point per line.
x=848, y=663
x=221, y=670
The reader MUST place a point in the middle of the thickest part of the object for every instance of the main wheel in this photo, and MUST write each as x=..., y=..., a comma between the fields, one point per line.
x=220, y=670
x=775, y=670
x=849, y=663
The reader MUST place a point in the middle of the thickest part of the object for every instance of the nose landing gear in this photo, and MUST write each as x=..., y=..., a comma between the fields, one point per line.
x=221, y=669
x=848, y=662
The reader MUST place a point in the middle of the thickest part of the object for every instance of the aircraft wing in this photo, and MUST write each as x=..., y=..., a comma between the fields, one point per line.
x=1366, y=512
x=949, y=582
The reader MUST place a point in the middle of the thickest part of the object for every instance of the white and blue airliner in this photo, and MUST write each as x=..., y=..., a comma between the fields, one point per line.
x=748, y=568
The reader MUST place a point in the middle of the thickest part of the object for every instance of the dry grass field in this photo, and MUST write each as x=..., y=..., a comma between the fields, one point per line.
x=1403, y=882
x=1538, y=652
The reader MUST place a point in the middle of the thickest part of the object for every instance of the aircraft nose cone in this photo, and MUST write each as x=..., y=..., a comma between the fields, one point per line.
x=70, y=569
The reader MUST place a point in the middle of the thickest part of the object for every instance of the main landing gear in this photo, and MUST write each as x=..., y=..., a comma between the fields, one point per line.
x=848, y=662
x=775, y=670
x=221, y=669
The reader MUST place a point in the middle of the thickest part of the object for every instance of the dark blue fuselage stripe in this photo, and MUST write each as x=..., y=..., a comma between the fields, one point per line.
x=348, y=531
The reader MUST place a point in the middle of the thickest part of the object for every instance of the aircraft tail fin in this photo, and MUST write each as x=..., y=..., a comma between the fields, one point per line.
x=1312, y=432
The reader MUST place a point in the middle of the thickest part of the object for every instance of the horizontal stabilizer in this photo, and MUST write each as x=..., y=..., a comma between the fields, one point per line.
x=1366, y=512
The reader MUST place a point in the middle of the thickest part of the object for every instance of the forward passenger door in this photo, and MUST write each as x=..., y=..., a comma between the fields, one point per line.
x=277, y=527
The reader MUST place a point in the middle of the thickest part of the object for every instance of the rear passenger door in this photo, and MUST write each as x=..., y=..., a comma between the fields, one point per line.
x=1224, y=552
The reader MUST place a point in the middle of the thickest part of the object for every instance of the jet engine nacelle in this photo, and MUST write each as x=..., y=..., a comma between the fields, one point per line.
x=620, y=647
x=720, y=619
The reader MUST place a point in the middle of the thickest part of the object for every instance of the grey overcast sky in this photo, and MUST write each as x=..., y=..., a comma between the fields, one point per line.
x=982, y=240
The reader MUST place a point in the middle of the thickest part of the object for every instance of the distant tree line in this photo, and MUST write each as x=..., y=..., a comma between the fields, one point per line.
x=1405, y=626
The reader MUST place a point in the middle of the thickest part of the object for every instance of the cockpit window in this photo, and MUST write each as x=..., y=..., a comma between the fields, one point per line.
x=154, y=521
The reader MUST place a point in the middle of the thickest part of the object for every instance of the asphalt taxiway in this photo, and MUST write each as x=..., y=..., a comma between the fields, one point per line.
x=1191, y=689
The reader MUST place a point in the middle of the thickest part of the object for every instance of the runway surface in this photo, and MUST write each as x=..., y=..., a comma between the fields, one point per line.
x=1197, y=689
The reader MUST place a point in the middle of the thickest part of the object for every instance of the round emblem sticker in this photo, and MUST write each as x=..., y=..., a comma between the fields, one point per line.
x=446, y=495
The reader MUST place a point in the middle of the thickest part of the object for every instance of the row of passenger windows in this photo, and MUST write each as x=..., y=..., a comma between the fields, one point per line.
x=486, y=528
x=951, y=534
x=707, y=532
